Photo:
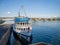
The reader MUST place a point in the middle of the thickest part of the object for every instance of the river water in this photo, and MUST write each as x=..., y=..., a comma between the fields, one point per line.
x=48, y=32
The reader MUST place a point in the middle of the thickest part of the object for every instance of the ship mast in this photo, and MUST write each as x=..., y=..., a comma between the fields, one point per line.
x=19, y=14
x=22, y=7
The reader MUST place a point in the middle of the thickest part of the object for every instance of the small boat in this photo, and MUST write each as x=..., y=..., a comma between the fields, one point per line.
x=22, y=28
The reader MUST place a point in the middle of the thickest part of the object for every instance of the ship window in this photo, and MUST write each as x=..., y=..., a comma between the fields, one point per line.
x=23, y=23
x=17, y=23
x=27, y=23
x=24, y=28
x=19, y=28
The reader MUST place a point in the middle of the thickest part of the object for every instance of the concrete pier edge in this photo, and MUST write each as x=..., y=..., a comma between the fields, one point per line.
x=5, y=37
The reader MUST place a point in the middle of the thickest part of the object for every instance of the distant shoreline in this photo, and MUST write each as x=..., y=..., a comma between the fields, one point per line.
x=32, y=19
x=45, y=19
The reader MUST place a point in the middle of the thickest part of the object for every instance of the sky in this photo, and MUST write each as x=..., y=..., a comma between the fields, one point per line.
x=32, y=8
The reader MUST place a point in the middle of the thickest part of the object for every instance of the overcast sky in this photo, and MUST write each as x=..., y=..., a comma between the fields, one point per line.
x=33, y=8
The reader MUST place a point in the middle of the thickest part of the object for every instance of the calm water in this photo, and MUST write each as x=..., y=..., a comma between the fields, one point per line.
x=48, y=32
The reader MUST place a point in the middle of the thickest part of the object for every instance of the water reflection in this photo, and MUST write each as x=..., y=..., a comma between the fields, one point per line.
x=14, y=41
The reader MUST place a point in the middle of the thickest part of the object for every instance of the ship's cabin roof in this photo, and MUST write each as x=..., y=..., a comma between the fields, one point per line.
x=22, y=19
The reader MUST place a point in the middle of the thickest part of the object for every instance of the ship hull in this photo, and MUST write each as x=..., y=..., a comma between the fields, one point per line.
x=22, y=39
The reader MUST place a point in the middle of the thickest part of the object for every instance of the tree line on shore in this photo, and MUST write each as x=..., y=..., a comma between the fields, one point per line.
x=45, y=19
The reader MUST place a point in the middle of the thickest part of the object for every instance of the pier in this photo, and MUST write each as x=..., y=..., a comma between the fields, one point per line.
x=5, y=33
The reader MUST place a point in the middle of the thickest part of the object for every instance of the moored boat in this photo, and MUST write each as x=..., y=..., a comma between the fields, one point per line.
x=22, y=29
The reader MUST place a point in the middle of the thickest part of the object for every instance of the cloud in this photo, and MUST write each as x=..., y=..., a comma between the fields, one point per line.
x=8, y=12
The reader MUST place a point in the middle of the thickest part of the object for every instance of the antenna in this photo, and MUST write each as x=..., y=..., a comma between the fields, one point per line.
x=18, y=14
